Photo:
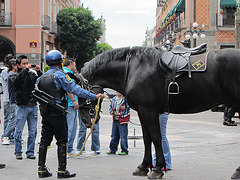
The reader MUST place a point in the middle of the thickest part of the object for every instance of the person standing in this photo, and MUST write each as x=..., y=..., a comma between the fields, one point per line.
x=26, y=110
x=163, y=118
x=70, y=67
x=82, y=136
x=1, y=165
x=56, y=83
x=6, y=103
x=11, y=123
x=120, y=111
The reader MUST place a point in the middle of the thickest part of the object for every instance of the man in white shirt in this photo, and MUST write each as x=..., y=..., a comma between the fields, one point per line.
x=6, y=103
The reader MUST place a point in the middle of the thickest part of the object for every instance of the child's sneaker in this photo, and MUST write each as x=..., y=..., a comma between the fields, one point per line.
x=122, y=153
x=111, y=152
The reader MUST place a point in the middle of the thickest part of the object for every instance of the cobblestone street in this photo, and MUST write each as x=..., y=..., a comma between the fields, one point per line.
x=202, y=149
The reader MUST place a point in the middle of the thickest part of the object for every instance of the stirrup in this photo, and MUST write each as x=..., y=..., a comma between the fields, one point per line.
x=175, y=86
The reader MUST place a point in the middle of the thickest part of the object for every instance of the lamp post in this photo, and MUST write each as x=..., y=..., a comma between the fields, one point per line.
x=195, y=33
x=194, y=24
x=167, y=46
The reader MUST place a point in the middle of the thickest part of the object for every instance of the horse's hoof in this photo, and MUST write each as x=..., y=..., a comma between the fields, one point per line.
x=155, y=175
x=140, y=172
x=236, y=175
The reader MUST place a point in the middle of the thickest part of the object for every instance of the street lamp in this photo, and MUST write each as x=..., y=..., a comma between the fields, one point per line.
x=167, y=42
x=195, y=33
x=167, y=46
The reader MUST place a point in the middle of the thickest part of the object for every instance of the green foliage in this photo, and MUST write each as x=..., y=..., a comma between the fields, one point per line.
x=79, y=33
x=101, y=47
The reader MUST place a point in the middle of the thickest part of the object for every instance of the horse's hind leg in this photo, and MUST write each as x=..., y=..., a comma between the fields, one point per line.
x=157, y=141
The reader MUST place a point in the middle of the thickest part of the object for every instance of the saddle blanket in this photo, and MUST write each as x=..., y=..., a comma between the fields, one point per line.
x=197, y=62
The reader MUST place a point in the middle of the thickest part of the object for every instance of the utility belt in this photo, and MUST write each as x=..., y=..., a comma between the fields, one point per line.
x=30, y=105
x=45, y=108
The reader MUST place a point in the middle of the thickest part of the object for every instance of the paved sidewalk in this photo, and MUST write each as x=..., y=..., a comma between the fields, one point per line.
x=202, y=149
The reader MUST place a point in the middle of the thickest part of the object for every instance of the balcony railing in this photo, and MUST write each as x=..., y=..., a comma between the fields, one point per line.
x=5, y=19
x=46, y=22
x=54, y=28
x=227, y=17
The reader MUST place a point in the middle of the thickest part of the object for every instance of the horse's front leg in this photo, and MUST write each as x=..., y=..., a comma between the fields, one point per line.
x=160, y=160
x=151, y=132
x=142, y=169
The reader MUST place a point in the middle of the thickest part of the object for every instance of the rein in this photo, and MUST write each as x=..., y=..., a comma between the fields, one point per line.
x=96, y=115
x=84, y=84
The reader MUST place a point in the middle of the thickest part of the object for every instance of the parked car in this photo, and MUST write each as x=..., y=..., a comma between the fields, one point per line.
x=1, y=88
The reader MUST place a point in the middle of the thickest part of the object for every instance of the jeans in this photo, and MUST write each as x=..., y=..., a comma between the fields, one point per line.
x=163, y=118
x=23, y=114
x=7, y=114
x=72, y=127
x=82, y=136
x=119, y=132
x=9, y=131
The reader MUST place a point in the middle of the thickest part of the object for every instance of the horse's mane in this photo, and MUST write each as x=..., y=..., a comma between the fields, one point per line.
x=120, y=54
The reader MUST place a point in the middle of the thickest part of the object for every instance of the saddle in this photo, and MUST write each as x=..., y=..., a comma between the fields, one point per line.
x=176, y=60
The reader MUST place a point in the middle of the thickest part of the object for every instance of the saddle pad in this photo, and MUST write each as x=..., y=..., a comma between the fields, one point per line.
x=197, y=62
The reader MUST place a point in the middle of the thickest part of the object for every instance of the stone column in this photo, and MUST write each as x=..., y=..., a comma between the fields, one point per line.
x=237, y=29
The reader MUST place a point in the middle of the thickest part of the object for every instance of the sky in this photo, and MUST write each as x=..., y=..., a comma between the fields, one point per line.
x=126, y=20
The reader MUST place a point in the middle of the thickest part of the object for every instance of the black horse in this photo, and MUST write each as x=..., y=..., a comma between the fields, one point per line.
x=136, y=73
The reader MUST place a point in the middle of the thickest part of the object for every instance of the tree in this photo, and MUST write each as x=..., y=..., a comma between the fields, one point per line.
x=101, y=47
x=79, y=33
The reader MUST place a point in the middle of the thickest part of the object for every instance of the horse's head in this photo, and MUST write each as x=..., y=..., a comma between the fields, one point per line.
x=87, y=107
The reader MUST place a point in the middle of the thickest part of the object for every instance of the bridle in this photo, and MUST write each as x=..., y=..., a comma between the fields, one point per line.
x=83, y=83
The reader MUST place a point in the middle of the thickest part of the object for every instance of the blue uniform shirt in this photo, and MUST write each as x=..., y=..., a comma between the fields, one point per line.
x=63, y=80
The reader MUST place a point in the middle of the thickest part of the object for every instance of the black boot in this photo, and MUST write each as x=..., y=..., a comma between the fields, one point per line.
x=228, y=114
x=62, y=162
x=42, y=169
x=236, y=174
x=2, y=166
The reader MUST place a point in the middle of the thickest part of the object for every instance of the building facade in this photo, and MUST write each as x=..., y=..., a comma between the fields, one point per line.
x=30, y=27
x=196, y=21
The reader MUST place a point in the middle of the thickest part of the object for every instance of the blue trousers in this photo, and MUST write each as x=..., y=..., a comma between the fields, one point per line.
x=82, y=136
x=72, y=127
x=10, y=128
x=163, y=118
x=7, y=115
x=119, y=132
x=23, y=114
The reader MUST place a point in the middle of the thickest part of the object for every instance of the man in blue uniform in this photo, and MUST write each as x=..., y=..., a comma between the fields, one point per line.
x=56, y=83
